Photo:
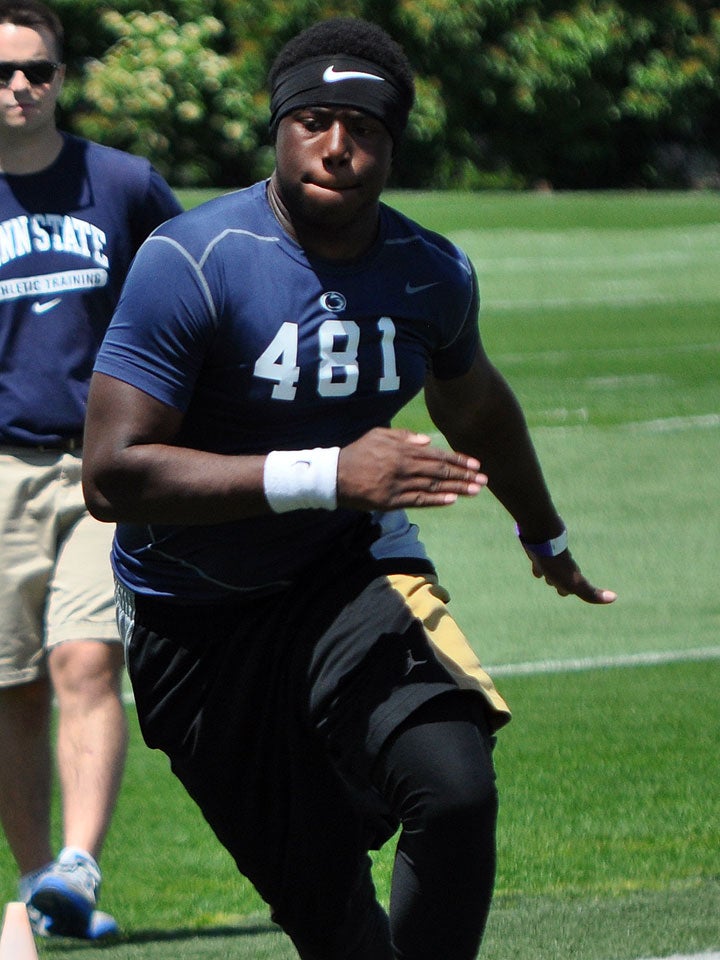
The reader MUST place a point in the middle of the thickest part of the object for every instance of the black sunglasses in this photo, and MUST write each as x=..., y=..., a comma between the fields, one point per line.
x=36, y=71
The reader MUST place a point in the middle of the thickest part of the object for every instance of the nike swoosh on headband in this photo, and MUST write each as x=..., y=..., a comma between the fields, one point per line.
x=331, y=75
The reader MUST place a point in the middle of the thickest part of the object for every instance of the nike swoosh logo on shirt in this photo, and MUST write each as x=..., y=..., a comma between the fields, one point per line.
x=332, y=75
x=412, y=288
x=38, y=307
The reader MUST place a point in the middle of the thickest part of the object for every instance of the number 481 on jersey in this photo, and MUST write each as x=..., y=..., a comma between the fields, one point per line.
x=338, y=365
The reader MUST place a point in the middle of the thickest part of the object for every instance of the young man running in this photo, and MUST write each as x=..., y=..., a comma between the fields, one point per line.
x=287, y=639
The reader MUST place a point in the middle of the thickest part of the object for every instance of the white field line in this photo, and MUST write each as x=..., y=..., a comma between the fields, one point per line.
x=534, y=667
x=693, y=956
x=647, y=659
x=620, y=263
x=699, y=421
x=607, y=353
x=540, y=303
x=704, y=421
x=624, y=278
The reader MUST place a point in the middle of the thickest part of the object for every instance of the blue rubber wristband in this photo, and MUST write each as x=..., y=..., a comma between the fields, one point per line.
x=548, y=548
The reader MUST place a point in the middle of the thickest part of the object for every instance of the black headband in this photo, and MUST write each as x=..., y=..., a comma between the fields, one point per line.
x=340, y=81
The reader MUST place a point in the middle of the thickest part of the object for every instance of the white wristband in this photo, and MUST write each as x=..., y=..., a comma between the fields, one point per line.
x=301, y=479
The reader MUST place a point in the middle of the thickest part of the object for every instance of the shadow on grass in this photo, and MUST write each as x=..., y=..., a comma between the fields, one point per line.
x=212, y=933
x=115, y=947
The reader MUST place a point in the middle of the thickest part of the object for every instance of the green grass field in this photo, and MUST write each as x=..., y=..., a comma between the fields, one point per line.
x=604, y=313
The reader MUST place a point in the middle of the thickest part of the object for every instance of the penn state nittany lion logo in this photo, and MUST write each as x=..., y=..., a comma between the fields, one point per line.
x=333, y=301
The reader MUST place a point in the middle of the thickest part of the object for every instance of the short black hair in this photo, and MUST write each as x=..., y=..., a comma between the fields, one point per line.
x=354, y=37
x=34, y=14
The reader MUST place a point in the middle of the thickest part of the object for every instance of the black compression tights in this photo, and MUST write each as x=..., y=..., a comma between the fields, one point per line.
x=436, y=774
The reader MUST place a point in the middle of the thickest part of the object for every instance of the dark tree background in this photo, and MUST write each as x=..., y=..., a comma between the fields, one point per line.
x=511, y=93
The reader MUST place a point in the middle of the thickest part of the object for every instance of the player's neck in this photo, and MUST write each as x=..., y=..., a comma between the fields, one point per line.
x=343, y=245
x=345, y=242
x=22, y=152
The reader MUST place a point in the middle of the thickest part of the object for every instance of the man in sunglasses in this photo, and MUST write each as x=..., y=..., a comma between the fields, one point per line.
x=72, y=215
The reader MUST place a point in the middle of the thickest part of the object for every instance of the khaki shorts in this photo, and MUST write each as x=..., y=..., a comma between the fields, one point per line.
x=55, y=576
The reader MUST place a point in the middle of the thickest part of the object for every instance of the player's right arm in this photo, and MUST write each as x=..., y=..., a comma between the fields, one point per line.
x=134, y=472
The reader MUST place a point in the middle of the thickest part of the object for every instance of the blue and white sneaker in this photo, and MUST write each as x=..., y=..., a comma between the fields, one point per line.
x=63, y=897
x=101, y=924
x=38, y=923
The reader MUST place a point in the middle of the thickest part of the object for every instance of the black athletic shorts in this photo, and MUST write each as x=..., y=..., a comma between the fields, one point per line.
x=273, y=711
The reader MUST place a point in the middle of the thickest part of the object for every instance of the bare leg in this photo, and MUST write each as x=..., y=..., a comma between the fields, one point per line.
x=26, y=773
x=92, y=737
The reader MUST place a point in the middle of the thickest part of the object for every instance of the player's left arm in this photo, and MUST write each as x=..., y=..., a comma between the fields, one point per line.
x=479, y=414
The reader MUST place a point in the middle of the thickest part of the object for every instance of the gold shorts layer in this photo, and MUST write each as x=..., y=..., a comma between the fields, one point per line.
x=428, y=600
